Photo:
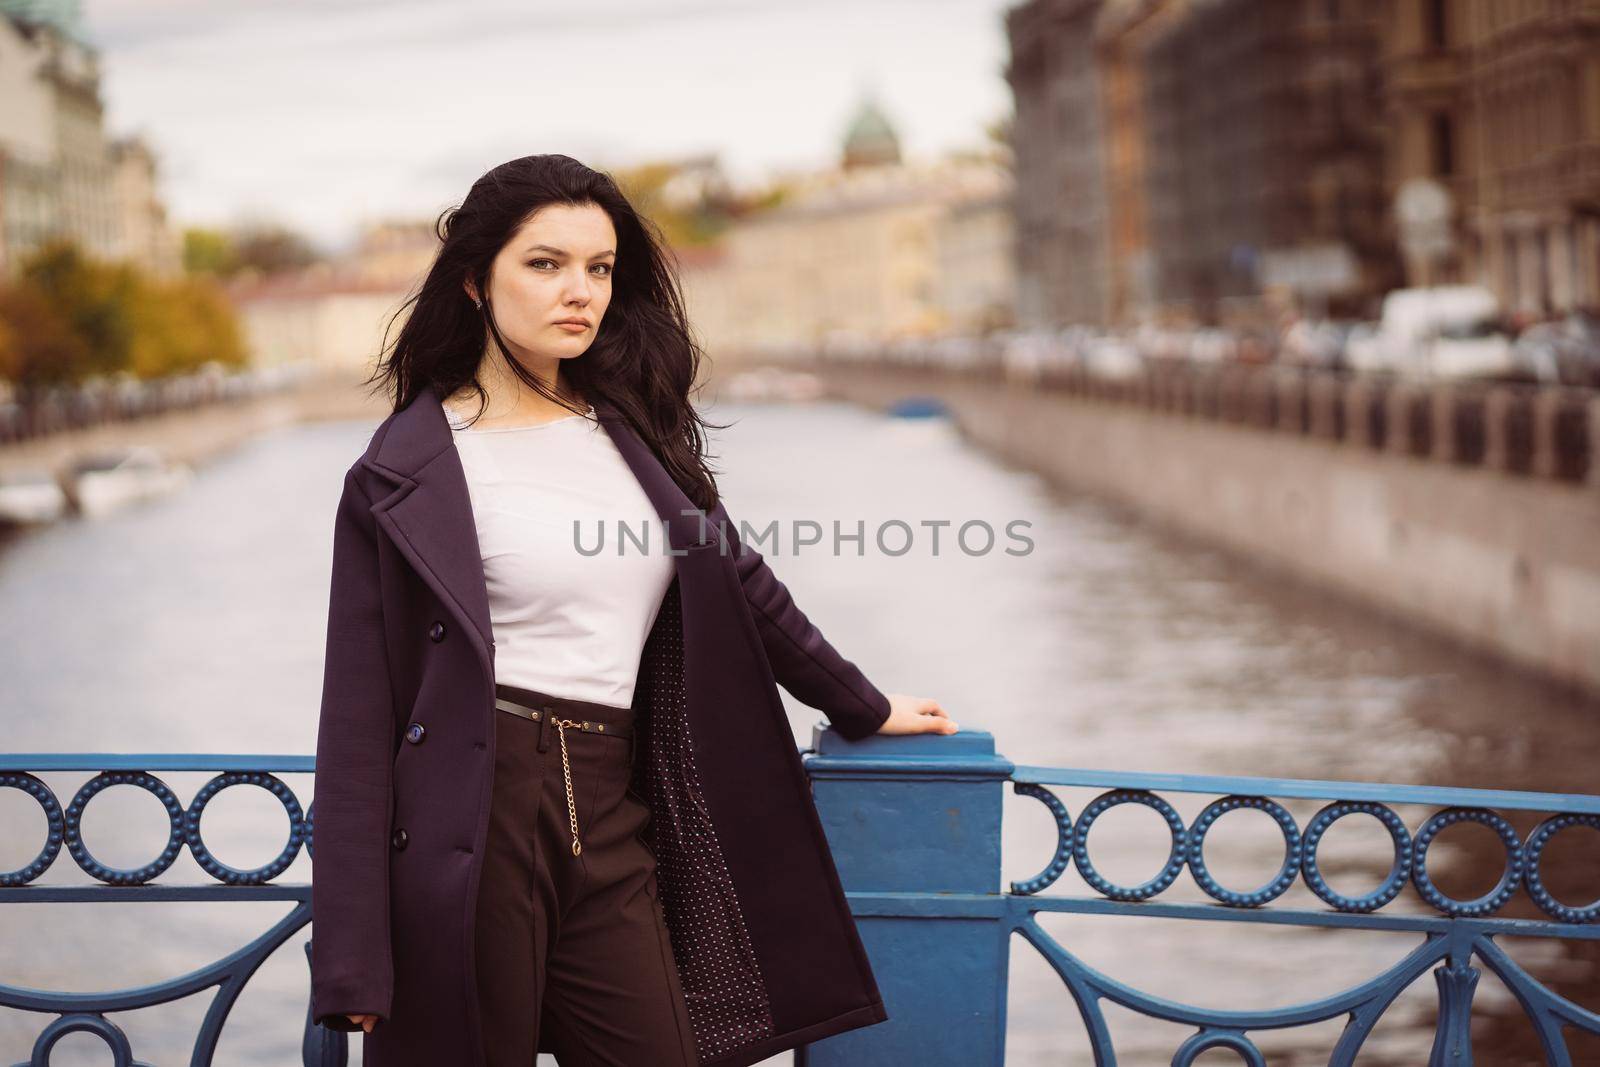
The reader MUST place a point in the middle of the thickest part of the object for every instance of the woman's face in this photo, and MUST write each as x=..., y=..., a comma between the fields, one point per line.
x=556, y=267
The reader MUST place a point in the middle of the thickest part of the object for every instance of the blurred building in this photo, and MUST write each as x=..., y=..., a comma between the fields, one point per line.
x=1263, y=155
x=335, y=313
x=394, y=254
x=1199, y=159
x=29, y=207
x=975, y=248
x=1059, y=143
x=59, y=176
x=975, y=252
x=1122, y=33
x=860, y=252
x=52, y=94
x=1501, y=104
x=143, y=233
x=326, y=314
x=1245, y=155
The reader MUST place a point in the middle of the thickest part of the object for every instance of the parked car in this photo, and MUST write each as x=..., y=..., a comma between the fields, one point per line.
x=1442, y=332
x=1566, y=350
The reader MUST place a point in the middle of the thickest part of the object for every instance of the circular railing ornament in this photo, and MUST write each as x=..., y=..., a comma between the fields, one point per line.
x=1533, y=851
x=73, y=832
x=1278, y=884
x=1399, y=870
x=1175, y=858
x=222, y=871
x=54, y=826
x=1491, y=901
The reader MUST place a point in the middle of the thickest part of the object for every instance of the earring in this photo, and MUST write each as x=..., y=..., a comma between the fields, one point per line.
x=477, y=303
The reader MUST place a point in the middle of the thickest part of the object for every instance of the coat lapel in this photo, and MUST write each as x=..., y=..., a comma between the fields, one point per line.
x=429, y=515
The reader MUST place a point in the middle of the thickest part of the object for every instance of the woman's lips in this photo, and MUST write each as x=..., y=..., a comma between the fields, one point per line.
x=573, y=327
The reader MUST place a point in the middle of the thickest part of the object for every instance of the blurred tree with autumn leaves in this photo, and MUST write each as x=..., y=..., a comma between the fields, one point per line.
x=688, y=201
x=264, y=248
x=66, y=317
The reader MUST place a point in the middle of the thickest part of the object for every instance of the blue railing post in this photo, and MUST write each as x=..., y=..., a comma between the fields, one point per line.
x=913, y=823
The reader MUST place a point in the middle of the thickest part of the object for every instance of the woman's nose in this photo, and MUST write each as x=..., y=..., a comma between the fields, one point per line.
x=577, y=288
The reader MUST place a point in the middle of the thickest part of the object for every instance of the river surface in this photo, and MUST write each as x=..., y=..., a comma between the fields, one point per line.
x=196, y=624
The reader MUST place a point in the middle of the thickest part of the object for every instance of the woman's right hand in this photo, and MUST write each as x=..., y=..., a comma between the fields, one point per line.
x=364, y=1021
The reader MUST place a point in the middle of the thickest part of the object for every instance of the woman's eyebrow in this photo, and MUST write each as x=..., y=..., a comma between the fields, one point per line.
x=562, y=251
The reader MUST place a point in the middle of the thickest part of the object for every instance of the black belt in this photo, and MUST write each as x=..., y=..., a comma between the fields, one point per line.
x=537, y=715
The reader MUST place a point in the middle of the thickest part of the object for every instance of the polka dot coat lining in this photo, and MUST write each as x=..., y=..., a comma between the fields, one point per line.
x=717, y=968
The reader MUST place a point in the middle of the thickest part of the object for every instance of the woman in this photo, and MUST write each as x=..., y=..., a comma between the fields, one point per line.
x=650, y=885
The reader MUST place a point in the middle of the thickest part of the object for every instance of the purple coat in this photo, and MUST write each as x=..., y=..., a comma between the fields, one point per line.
x=766, y=946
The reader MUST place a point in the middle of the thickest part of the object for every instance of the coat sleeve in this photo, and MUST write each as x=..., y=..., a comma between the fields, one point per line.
x=352, y=970
x=802, y=660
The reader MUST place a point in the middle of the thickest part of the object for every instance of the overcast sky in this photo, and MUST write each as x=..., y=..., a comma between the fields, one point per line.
x=325, y=113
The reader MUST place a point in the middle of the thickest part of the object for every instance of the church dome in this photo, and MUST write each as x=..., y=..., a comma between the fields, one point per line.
x=871, y=139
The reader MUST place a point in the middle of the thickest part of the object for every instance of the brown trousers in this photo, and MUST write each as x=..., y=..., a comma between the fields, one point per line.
x=573, y=954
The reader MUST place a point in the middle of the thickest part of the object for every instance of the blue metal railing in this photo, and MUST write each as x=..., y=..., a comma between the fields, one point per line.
x=86, y=1012
x=953, y=875
x=914, y=825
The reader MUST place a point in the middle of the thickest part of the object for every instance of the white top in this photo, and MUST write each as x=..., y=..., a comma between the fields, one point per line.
x=571, y=608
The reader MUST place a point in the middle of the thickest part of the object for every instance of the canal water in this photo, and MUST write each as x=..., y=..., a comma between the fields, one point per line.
x=196, y=624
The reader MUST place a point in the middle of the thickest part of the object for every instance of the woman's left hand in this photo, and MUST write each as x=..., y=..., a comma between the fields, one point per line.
x=916, y=715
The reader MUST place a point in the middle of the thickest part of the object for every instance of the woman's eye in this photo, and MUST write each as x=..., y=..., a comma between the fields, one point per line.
x=540, y=264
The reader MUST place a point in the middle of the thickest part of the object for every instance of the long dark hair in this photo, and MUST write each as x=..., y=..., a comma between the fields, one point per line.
x=644, y=358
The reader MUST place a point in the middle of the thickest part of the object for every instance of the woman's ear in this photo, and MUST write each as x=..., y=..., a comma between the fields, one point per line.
x=472, y=290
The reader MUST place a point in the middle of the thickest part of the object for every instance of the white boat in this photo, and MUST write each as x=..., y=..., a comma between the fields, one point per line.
x=105, y=482
x=30, y=496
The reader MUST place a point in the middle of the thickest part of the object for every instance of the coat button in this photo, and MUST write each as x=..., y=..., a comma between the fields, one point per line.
x=400, y=838
x=437, y=632
x=415, y=732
